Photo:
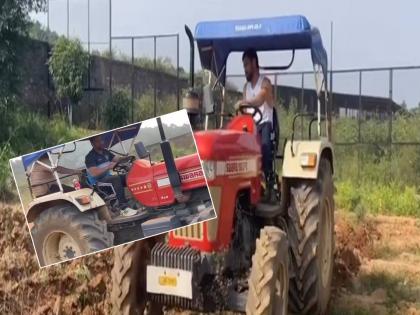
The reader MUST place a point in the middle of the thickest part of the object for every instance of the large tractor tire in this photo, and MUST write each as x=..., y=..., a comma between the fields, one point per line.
x=62, y=232
x=310, y=226
x=128, y=295
x=269, y=278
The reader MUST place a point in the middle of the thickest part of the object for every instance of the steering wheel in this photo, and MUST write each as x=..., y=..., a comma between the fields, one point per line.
x=255, y=112
x=124, y=164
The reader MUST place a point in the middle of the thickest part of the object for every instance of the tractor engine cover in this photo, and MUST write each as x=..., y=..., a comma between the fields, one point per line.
x=150, y=184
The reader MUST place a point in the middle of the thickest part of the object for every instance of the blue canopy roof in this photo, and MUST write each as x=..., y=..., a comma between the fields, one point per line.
x=217, y=39
x=110, y=139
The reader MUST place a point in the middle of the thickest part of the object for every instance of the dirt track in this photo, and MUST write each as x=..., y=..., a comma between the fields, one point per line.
x=377, y=271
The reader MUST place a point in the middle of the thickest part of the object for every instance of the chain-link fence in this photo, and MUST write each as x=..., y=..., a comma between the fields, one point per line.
x=145, y=69
x=376, y=116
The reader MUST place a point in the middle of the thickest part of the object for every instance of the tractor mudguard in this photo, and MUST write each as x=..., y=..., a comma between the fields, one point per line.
x=41, y=203
x=295, y=156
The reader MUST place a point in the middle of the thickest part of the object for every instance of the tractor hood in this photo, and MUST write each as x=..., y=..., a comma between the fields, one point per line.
x=222, y=144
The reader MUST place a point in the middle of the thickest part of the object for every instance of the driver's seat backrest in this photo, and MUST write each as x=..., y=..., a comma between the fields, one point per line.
x=275, y=135
x=141, y=150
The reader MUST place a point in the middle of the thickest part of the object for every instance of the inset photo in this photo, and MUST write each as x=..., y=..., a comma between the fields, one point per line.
x=112, y=188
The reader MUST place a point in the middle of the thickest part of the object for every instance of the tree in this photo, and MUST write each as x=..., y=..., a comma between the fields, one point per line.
x=68, y=66
x=14, y=19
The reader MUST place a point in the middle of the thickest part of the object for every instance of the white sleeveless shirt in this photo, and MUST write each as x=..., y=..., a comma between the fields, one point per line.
x=265, y=108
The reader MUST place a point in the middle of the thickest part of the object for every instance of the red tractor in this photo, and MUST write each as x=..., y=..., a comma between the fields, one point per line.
x=256, y=258
x=70, y=221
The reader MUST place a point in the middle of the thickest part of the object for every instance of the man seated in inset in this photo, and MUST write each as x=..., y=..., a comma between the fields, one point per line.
x=99, y=163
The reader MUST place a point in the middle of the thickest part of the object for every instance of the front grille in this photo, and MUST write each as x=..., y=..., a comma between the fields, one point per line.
x=180, y=258
x=192, y=232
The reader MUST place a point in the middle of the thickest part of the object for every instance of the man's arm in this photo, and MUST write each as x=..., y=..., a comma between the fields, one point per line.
x=95, y=170
x=98, y=171
x=265, y=95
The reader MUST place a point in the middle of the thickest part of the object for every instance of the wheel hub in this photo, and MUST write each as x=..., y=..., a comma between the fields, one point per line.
x=59, y=246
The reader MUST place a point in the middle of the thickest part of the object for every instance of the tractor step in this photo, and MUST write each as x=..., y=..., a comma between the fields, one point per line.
x=143, y=215
x=160, y=225
x=268, y=210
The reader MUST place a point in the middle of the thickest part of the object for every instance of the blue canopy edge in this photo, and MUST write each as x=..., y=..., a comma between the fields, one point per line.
x=217, y=39
x=109, y=137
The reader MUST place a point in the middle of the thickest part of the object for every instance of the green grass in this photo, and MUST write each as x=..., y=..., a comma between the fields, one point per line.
x=22, y=132
x=391, y=198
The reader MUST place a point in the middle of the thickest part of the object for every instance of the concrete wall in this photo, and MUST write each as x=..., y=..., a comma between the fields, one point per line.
x=38, y=90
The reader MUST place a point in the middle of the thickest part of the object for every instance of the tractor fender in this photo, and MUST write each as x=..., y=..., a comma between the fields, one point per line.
x=292, y=167
x=40, y=204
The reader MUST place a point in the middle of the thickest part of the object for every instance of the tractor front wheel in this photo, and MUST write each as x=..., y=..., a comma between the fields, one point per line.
x=62, y=232
x=128, y=295
x=310, y=225
x=269, y=278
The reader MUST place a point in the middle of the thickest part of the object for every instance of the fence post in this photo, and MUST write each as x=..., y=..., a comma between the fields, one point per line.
x=177, y=71
x=302, y=101
x=154, y=76
x=390, y=113
x=132, y=79
x=359, y=122
x=110, y=48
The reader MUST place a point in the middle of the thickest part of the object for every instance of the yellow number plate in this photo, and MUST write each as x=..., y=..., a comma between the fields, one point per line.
x=168, y=281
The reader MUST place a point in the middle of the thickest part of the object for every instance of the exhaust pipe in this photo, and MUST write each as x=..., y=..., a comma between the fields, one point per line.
x=191, y=101
x=173, y=174
x=191, y=39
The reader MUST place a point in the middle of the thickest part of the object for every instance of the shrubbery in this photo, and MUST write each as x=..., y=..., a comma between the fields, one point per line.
x=373, y=177
x=117, y=109
x=22, y=132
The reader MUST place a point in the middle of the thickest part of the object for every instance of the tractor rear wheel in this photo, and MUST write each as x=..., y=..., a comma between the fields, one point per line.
x=62, y=232
x=128, y=275
x=311, y=237
x=269, y=278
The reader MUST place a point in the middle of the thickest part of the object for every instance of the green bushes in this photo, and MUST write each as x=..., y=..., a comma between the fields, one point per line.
x=22, y=132
x=375, y=177
x=144, y=106
x=117, y=109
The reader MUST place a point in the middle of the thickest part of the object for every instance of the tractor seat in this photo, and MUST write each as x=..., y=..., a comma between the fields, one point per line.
x=105, y=190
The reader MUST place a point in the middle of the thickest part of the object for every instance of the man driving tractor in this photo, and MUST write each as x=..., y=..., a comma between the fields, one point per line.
x=99, y=163
x=258, y=92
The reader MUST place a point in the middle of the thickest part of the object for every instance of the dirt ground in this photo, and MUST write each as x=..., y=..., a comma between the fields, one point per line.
x=377, y=270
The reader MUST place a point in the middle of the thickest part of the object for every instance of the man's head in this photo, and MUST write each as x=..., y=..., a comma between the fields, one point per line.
x=97, y=143
x=250, y=62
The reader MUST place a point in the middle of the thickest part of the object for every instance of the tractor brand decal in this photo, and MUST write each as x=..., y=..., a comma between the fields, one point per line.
x=236, y=167
x=140, y=188
x=186, y=177
x=191, y=175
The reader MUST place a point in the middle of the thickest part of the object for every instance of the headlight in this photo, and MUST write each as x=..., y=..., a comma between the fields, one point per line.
x=308, y=160
x=209, y=168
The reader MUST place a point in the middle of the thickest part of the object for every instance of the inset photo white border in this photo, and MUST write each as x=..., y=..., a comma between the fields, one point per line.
x=113, y=188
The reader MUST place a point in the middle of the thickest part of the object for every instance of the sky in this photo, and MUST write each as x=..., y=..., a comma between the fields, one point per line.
x=370, y=33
